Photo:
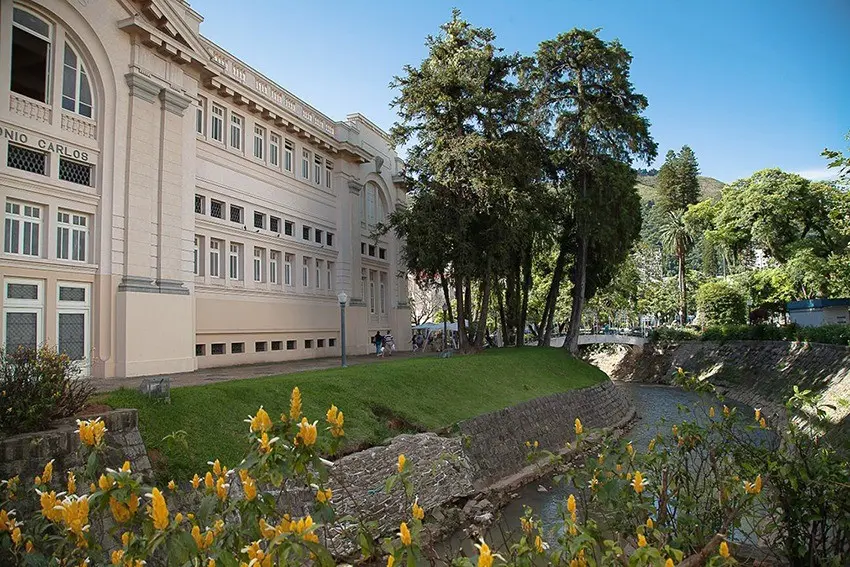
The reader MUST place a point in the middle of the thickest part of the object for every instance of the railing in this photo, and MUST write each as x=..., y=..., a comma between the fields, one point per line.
x=79, y=125
x=29, y=108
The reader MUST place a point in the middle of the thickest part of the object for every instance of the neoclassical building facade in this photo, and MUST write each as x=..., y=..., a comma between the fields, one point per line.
x=168, y=207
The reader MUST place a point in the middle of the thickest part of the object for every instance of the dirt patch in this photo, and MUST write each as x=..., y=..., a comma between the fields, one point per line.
x=93, y=409
x=395, y=423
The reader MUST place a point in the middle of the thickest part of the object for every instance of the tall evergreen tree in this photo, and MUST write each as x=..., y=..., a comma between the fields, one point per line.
x=589, y=106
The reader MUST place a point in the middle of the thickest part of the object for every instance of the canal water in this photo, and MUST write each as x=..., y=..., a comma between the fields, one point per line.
x=657, y=407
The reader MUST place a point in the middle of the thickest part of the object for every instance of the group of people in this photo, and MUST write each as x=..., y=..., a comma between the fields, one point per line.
x=384, y=344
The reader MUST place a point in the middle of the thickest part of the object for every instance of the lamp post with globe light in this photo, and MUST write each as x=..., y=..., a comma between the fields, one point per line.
x=343, y=299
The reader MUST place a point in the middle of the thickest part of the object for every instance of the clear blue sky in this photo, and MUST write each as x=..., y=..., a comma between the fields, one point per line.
x=748, y=84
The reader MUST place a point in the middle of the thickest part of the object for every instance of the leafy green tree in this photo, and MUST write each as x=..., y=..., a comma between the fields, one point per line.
x=677, y=237
x=721, y=303
x=678, y=183
x=589, y=109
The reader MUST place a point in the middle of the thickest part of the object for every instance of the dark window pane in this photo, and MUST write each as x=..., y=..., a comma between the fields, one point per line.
x=72, y=335
x=21, y=291
x=21, y=331
x=29, y=65
x=72, y=293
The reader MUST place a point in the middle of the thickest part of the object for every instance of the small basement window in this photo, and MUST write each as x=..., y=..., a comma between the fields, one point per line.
x=217, y=348
x=277, y=345
x=308, y=343
x=237, y=348
x=290, y=345
x=320, y=343
x=331, y=342
x=200, y=350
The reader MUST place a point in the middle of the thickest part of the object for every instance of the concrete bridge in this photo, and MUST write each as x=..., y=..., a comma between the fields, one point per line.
x=611, y=339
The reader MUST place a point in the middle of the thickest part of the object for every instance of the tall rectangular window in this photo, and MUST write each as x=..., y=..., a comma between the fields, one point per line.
x=288, y=228
x=330, y=276
x=259, y=220
x=215, y=258
x=235, y=261
x=383, y=293
x=201, y=115
x=22, y=229
x=217, y=123
x=200, y=204
x=76, y=90
x=30, y=71
x=235, y=131
x=305, y=272
x=237, y=214
x=317, y=170
x=305, y=232
x=319, y=235
x=216, y=209
x=258, y=264
x=371, y=291
x=72, y=233
x=259, y=142
x=274, y=150
x=330, y=239
x=329, y=167
x=73, y=308
x=273, y=266
x=319, y=269
x=196, y=259
x=23, y=308
x=305, y=164
x=288, y=260
x=288, y=149
x=274, y=224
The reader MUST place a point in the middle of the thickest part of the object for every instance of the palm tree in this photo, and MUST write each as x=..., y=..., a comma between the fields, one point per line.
x=676, y=236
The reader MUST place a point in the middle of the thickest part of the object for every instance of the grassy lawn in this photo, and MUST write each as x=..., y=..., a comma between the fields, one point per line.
x=426, y=393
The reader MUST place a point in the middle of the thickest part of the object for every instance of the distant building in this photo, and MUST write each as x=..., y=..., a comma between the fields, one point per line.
x=817, y=312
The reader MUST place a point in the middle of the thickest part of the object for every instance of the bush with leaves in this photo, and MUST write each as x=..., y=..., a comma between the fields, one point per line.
x=721, y=303
x=38, y=386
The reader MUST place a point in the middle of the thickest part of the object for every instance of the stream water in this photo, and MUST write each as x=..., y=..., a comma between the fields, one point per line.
x=657, y=406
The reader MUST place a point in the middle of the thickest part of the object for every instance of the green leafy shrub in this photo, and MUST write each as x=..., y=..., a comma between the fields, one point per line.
x=673, y=334
x=38, y=386
x=748, y=333
x=721, y=303
x=828, y=334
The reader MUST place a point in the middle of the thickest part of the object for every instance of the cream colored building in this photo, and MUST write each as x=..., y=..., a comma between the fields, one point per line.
x=169, y=208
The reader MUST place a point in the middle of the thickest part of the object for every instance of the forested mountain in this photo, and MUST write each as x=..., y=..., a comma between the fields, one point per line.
x=647, y=185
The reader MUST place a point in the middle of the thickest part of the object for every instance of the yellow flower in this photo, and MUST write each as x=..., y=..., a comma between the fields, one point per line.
x=711, y=411
x=675, y=430
x=196, y=481
x=4, y=520
x=47, y=475
x=401, y=462
x=724, y=550
x=217, y=468
x=404, y=533
x=72, y=482
x=649, y=524
x=91, y=432
x=619, y=468
x=92, y=487
x=125, y=467
x=324, y=496
x=485, y=556
x=250, y=487
x=265, y=443
x=579, y=428
x=105, y=482
x=16, y=536
x=390, y=561
x=178, y=517
x=172, y=485
x=119, y=510
x=158, y=511
x=538, y=544
x=418, y=512
x=117, y=556
x=573, y=529
x=726, y=411
x=536, y=444
x=125, y=538
x=571, y=504
x=758, y=414
x=75, y=515
x=336, y=420
x=261, y=422
x=641, y=541
x=669, y=563
x=266, y=530
x=295, y=404
x=652, y=444
x=303, y=527
x=307, y=432
x=50, y=508
x=527, y=526
x=208, y=480
x=754, y=487
x=211, y=563
x=639, y=483
x=762, y=423
x=196, y=535
x=630, y=450
x=221, y=488
x=29, y=546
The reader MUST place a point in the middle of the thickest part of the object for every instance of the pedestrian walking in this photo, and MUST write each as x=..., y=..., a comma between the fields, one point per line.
x=379, y=342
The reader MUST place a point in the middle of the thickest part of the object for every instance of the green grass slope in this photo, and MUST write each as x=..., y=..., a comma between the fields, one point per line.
x=379, y=400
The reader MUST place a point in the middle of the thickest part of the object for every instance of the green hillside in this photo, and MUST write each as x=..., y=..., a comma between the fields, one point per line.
x=647, y=185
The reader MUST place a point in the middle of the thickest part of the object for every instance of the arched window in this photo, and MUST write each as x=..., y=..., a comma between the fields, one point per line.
x=76, y=90
x=30, y=55
x=376, y=208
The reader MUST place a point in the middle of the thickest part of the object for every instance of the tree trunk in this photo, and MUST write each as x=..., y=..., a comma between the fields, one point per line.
x=502, y=318
x=511, y=304
x=683, y=288
x=466, y=313
x=526, y=288
x=444, y=281
x=579, y=280
x=554, y=291
x=461, y=324
x=485, y=307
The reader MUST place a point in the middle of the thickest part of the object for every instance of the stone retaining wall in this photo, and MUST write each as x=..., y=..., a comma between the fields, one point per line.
x=27, y=453
x=495, y=442
x=758, y=373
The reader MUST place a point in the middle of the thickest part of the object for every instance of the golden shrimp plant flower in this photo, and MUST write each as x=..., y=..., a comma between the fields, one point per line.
x=295, y=404
x=402, y=461
x=91, y=432
x=485, y=556
x=641, y=540
x=72, y=482
x=418, y=512
x=75, y=515
x=579, y=427
x=404, y=534
x=724, y=550
x=158, y=511
x=50, y=506
x=307, y=433
x=753, y=487
x=336, y=419
x=261, y=422
x=196, y=481
x=324, y=496
x=638, y=482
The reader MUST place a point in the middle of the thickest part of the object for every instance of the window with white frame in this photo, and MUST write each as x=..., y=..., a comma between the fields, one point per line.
x=215, y=258
x=217, y=209
x=305, y=164
x=201, y=115
x=288, y=228
x=288, y=261
x=288, y=154
x=274, y=150
x=76, y=90
x=23, y=309
x=235, y=261
x=217, y=123
x=319, y=268
x=200, y=204
x=72, y=232
x=329, y=166
x=73, y=308
x=383, y=293
x=274, y=224
x=237, y=214
x=235, y=131
x=196, y=256
x=371, y=291
x=305, y=272
x=363, y=283
x=273, y=266
x=330, y=239
x=317, y=170
x=31, y=49
x=22, y=229
x=371, y=195
x=259, y=142
x=259, y=220
x=319, y=235
x=305, y=232
x=259, y=260
x=330, y=276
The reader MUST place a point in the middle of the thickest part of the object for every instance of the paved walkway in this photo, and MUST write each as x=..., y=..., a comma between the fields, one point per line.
x=227, y=373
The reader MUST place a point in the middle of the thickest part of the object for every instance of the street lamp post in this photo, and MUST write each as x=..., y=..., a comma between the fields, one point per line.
x=445, y=335
x=343, y=299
